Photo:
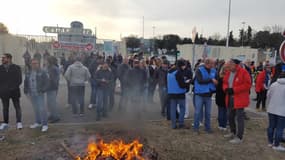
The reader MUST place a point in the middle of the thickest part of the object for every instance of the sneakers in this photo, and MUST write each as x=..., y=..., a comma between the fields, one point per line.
x=230, y=135
x=19, y=125
x=200, y=124
x=222, y=128
x=278, y=148
x=44, y=128
x=90, y=106
x=35, y=125
x=270, y=145
x=3, y=126
x=236, y=140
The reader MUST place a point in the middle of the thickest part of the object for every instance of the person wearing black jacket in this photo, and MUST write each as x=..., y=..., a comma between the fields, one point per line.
x=122, y=75
x=10, y=81
x=220, y=99
x=136, y=83
x=104, y=79
x=177, y=86
x=53, y=82
x=162, y=84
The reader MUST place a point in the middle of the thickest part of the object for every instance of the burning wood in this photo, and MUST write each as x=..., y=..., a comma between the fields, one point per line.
x=115, y=150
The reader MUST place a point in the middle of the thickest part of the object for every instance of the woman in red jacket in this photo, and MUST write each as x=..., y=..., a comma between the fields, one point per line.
x=262, y=85
x=236, y=84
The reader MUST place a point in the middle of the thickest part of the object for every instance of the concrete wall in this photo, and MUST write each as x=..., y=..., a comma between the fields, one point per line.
x=14, y=45
x=218, y=52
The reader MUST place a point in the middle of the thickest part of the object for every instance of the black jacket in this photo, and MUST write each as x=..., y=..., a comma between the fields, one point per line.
x=136, y=79
x=220, y=94
x=106, y=75
x=161, y=76
x=53, y=73
x=10, y=81
x=122, y=72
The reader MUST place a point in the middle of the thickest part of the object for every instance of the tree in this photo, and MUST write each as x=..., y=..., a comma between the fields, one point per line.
x=261, y=40
x=3, y=29
x=249, y=36
x=186, y=41
x=132, y=42
x=275, y=40
x=231, y=39
x=158, y=43
x=170, y=41
x=242, y=37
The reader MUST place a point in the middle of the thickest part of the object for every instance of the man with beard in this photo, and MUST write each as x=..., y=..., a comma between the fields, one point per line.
x=10, y=81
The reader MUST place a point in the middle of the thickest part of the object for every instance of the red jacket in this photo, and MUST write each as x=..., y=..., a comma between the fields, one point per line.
x=241, y=87
x=259, y=86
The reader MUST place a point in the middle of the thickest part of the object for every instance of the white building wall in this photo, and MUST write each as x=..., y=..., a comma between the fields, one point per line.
x=218, y=52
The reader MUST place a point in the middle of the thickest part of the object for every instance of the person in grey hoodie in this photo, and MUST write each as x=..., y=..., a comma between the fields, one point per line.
x=77, y=74
x=276, y=112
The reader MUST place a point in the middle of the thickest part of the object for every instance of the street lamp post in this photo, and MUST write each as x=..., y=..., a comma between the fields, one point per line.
x=243, y=23
x=229, y=18
x=153, y=35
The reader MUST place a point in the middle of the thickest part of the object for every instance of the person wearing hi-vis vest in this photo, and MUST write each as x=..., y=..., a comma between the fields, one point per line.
x=177, y=86
x=204, y=87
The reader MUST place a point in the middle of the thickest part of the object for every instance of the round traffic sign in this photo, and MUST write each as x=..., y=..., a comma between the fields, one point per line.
x=282, y=51
x=89, y=47
x=56, y=44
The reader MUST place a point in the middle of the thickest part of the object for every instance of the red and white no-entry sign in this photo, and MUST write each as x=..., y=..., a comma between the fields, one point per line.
x=89, y=47
x=282, y=52
x=56, y=44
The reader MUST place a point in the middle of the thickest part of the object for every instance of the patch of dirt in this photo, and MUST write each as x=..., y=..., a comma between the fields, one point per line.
x=170, y=144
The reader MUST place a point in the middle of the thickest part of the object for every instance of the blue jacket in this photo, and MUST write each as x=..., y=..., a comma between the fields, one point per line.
x=204, y=88
x=172, y=84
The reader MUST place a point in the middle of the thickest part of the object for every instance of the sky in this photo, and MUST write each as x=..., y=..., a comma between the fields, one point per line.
x=115, y=18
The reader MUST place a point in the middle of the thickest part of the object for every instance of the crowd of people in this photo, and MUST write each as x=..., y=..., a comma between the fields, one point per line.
x=139, y=77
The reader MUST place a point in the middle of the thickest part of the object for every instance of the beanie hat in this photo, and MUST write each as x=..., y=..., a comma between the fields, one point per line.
x=180, y=63
x=236, y=61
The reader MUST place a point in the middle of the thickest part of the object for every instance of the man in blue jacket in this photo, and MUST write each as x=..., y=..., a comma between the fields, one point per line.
x=177, y=86
x=204, y=85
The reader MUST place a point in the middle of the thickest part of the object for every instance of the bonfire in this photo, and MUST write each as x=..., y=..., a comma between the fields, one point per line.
x=115, y=150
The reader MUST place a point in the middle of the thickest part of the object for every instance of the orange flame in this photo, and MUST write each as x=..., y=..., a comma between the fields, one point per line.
x=116, y=149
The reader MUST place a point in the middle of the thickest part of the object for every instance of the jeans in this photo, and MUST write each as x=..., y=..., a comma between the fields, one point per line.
x=77, y=97
x=261, y=98
x=222, y=116
x=237, y=115
x=102, y=102
x=93, y=92
x=199, y=103
x=173, y=108
x=275, y=128
x=163, y=99
x=201, y=114
x=52, y=104
x=124, y=96
x=112, y=95
x=69, y=100
x=6, y=104
x=38, y=103
x=187, y=104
